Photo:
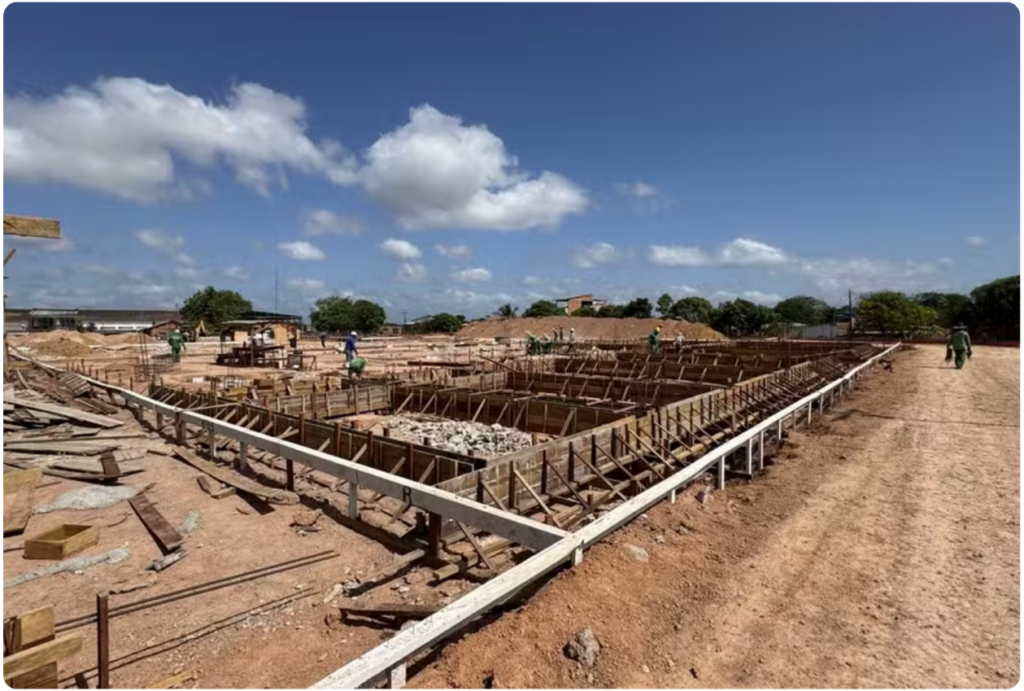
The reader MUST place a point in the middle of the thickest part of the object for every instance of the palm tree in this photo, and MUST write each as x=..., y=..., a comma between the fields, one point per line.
x=507, y=311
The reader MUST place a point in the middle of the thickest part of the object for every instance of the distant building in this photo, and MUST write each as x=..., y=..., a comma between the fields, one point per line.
x=102, y=321
x=579, y=302
x=391, y=330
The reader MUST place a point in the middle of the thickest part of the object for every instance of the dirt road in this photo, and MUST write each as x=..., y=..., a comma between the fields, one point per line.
x=880, y=549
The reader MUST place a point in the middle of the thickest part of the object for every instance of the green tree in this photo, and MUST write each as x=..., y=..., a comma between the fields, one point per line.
x=214, y=306
x=586, y=311
x=803, y=309
x=952, y=308
x=544, y=308
x=665, y=305
x=640, y=308
x=338, y=314
x=692, y=309
x=996, y=307
x=611, y=312
x=893, y=314
x=742, y=318
x=507, y=311
x=444, y=323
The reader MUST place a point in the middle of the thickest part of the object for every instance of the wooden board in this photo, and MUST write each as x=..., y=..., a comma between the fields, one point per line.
x=18, y=509
x=15, y=480
x=28, y=630
x=31, y=227
x=72, y=448
x=228, y=477
x=65, y=411
x=61, y=542
x=40, y=655
x=166, y=535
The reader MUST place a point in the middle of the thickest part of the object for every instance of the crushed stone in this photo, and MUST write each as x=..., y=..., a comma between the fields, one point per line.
x=86, y=498
x=461, y=437
x=77, y=564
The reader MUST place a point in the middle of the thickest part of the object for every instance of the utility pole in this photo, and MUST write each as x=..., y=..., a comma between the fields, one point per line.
x=276, y=311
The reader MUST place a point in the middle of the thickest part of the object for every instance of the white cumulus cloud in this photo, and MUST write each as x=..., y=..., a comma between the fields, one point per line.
x=165, y=244
x=746, y=252
x=638, y=189
x=401, y=249
x=477, y=275
x=236, y=273
x=436, y=172
x=122, y=137
x=302, y=251
x=454, y=251
x=411, y=273
x=326, y=222
x=976, y=241
x=594, y=255
x=669, y=255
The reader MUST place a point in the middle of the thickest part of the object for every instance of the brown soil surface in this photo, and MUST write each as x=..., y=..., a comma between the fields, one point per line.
x=588, y=328
x=881, y=549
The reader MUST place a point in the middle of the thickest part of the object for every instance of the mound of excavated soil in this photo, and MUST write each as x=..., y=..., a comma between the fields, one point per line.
x=588, y=328
x=61, y=348
x=84, y=338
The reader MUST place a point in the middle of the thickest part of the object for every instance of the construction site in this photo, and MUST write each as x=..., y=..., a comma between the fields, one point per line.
x=192, y=524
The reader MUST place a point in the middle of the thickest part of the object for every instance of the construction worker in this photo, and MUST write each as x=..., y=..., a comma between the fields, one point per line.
x=654, y=341
x=572, y=338
x=532, y=344
x=293, y=338
x=679, y=342
x=323, y=339
x=177, y=343
x=356, y=366
x=350, y=347
x=959, y=346
x=561, y=334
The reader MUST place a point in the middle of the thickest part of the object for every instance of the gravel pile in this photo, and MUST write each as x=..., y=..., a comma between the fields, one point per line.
x=484, y=441
x=86, y=498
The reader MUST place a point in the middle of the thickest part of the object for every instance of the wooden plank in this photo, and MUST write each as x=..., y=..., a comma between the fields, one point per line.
x=536, y=497
x=215, y=492
x=28, y=630
x=43, y=654
x=165, y=534
x=16, y=480
x=173, y=681
x=67, y=412
x=18, y=508
x=476, y=545
x=31, y=227
x=228, y=477
x=72, y=448
x=399, y=611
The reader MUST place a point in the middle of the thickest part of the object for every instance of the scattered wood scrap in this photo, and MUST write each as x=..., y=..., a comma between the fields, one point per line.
x=31, y=659
x=173, y=681
x=163, y=562
x=217, y=492
x=19, y=499
x=392, y=614
x=61, y=542
x=71, y=448
x=239, y=482
x=165, y=534
x=62, y=411
x=25, y=631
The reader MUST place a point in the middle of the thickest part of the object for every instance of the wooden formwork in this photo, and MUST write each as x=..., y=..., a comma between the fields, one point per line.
x=642, y=392
x=406, y=459
x=526, y=413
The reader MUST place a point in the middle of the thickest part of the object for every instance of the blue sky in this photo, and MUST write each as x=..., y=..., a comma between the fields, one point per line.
x=457, y=157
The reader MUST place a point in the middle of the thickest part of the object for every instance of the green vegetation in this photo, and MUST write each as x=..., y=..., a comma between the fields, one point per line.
x=334, y=314
x=214, y=307
x=544, y=308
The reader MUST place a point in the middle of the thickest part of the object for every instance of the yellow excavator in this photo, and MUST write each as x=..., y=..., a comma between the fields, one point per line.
x=192, y=332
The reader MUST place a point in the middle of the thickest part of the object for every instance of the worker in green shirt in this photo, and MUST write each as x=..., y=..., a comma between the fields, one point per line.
x=356, y=366
x=654, y=341
x=177, y=342
x=532, y=344
x=959, y=346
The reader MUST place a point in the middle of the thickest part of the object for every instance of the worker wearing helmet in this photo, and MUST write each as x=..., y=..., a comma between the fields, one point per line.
x=177, y=342
x=654, y=341
x=350, y=347
x=572, y=338
x=958, y=347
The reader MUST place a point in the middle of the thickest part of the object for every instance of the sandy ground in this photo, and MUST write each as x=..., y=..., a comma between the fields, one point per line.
x=881, y=549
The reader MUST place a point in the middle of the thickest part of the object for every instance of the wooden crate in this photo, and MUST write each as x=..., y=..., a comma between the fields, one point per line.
x=61, y=542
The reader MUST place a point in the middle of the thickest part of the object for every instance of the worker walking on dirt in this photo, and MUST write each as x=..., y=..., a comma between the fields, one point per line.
x=323, y=339
x=350, y=347
x=959, y=346
x=177, y=343
x=654, y=341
